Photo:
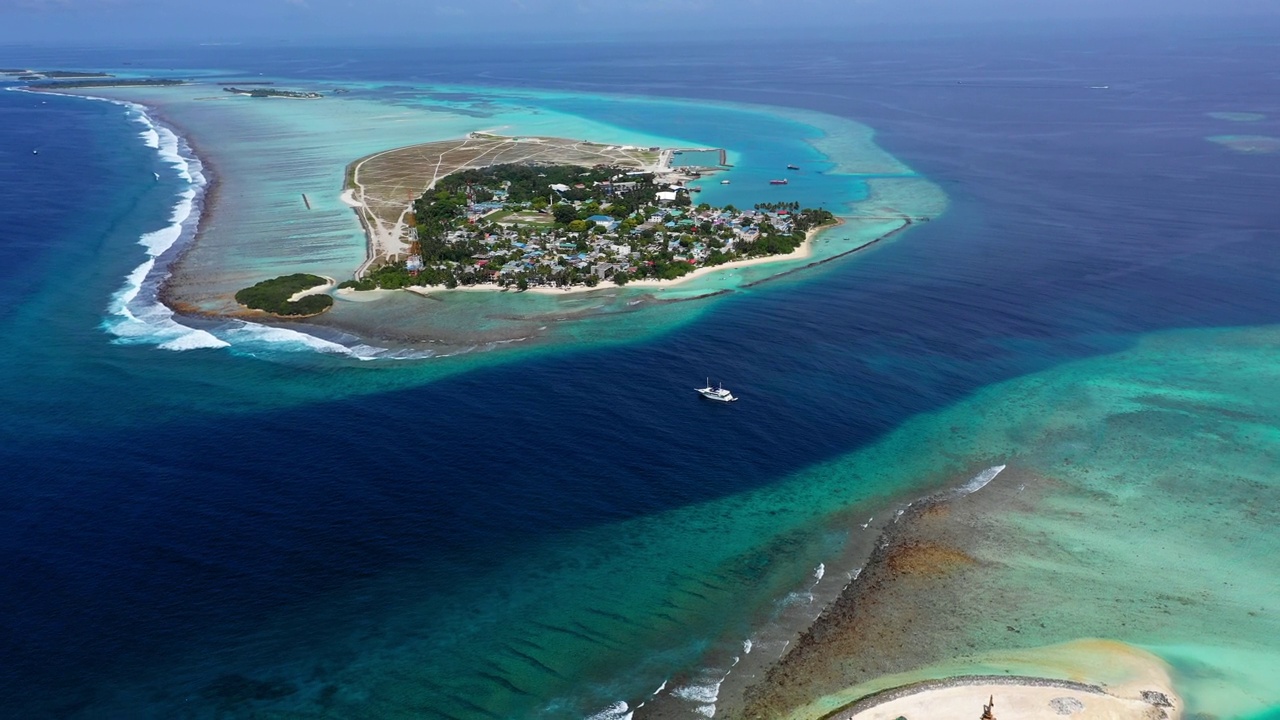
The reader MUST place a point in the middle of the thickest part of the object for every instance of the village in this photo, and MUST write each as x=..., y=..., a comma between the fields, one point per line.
x=522, y=226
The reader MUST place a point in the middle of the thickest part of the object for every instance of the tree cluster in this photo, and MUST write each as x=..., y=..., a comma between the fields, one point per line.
x=273, y=296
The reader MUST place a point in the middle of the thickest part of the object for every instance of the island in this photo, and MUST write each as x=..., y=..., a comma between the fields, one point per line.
x=294, y=296
x=263, y=92
x=109, y=82
x=52, y=74
x=566, y=215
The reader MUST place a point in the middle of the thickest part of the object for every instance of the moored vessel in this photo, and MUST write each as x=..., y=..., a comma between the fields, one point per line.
x=719, y=394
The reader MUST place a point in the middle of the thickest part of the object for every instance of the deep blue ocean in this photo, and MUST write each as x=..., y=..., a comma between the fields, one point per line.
x=159, y=523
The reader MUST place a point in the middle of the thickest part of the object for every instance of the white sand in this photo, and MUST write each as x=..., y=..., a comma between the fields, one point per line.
x=804, y=251
x=1123, y=672
x=1024, y=702
x=348, y=198
x=329, y=284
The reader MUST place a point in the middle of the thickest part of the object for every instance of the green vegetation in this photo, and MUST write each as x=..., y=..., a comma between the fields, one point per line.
x=73, y=74
x=273, y=296
x=531, y=225
x=111, y=82
x=262, y=92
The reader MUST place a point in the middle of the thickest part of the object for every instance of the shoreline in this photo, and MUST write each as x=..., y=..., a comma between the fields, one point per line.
x=385, y=240
x=205, y=199
x=805, y=250
x=1031, y=697
x=178, y=291
x=871, y=646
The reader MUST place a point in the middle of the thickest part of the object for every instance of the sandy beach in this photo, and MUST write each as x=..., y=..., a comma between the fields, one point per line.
x=1088, y=679
x=804, y=251
x=890, y=644
x=1025, y=698
x=329, y=284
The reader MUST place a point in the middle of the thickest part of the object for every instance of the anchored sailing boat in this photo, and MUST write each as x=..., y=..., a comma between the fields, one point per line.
x=717, y=393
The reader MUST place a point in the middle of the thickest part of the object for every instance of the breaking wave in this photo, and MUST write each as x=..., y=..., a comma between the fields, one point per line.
x=979, y=481
x=135, y=314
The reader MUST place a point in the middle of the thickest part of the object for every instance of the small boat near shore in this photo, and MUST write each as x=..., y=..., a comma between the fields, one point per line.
x=778, y=182
x=719, y=394
x=724, y=182
x=793, y=167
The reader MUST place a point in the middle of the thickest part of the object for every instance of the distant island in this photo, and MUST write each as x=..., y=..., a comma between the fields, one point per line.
x=108, y=82
x=263, y=92
x=51, y=74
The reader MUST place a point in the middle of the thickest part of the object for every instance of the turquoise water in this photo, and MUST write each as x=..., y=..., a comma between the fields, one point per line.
x=559, y=529
x=697, y=158
x=267, y=155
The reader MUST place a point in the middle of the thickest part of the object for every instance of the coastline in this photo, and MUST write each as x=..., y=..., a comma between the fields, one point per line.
x=878, y=649
x=1148, y=697
x=147, y=290
x=805, y=250
x=146, y=308
x=359, y=327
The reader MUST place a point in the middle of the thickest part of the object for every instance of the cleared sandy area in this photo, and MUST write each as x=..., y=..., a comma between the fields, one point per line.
x=381, y=188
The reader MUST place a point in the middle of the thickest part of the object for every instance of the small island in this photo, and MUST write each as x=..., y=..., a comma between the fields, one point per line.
x=109, y=82
x=294, y=296
x=52, y=74
x=265, y=92
x=566, y=215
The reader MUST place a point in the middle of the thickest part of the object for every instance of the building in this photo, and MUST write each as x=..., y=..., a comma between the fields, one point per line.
x=607, y=222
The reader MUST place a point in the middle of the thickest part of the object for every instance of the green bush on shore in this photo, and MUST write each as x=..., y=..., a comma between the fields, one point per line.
x=273, y=295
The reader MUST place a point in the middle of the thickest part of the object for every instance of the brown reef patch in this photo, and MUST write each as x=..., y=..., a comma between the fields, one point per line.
x=926, y=558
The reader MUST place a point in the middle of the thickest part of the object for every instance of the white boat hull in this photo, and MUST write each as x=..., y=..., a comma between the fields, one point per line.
x=717, y=395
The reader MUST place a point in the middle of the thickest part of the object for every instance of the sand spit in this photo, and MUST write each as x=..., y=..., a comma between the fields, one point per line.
x=897, y=642
x=1026, y=698
x=328, y=286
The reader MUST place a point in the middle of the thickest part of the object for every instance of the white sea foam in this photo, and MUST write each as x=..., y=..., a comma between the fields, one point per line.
x=708, y=693
x=135, y=313
x=796, y=598
x=152, y=322
x=979, y=481
x=818, y=572
x=746, y=646
x=616, y=711
x=253, y=336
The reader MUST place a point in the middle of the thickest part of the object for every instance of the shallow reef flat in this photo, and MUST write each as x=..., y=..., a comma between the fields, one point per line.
x=276, y=206
x=1251, y=144
x=1135, y=507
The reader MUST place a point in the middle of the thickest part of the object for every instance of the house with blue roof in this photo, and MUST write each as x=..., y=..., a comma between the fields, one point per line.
x=609, y=223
